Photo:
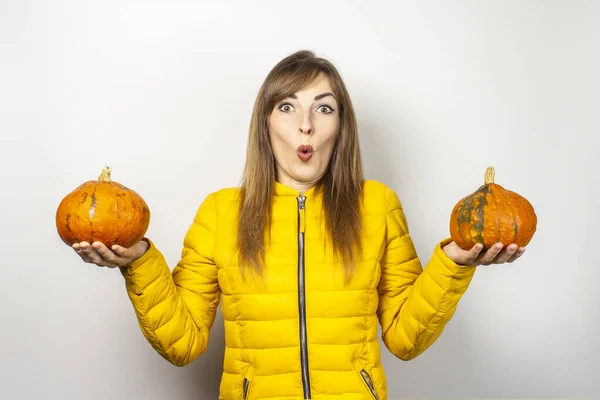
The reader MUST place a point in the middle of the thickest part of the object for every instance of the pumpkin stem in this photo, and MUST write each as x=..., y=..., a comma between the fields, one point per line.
x=105, y=175
x=489, y=175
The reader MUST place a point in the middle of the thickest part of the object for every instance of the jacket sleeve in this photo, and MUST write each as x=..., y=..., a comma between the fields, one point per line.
x=415, y=304
x=175, y=311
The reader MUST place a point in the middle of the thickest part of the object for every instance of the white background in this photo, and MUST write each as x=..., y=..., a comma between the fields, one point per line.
x=163, y=92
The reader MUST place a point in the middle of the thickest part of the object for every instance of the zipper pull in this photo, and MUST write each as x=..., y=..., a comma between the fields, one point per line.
x=245, y=386
x=301, y=215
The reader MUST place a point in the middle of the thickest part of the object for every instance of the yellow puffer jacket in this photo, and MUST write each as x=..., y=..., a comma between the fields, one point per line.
x=300, y=333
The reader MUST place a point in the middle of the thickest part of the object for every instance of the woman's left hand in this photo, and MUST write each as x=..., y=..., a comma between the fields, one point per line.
x=497, y=254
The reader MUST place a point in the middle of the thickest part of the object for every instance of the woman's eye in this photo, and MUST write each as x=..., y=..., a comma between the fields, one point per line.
x=285, y=107
x=325, y=109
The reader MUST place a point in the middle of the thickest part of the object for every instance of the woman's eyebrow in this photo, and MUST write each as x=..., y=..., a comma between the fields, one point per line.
x=318, y=97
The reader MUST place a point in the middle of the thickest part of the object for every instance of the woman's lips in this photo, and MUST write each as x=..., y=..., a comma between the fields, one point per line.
x=305, y=152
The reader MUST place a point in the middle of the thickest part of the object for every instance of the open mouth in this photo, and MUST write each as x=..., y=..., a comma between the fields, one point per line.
x=305, y=152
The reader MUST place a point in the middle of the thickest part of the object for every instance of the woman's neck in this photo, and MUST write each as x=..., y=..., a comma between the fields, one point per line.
x=299, y=186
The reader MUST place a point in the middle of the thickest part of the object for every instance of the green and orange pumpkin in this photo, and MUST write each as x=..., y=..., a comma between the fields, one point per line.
x=492, y=214
x=102, y=210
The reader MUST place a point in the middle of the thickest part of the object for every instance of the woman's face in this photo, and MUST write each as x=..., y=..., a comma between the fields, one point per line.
x=303, y=129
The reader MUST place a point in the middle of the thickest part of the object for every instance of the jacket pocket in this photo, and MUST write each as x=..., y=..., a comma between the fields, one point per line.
x=247, y=382
x=245, y=388
x=366, y=378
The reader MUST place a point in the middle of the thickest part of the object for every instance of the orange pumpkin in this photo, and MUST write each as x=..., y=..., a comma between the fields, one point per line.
x=492, y=214
x=102, y=210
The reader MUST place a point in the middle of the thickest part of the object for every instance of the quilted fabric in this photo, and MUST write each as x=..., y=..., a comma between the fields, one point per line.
x=263, y=338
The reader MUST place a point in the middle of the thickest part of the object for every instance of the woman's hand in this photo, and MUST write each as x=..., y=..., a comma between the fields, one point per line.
x=118, y=256
x=497, y=254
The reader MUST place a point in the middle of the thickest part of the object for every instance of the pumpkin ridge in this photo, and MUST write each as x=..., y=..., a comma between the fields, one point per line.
x=480, y=210
x=499, y=226
x=514, y=219
x=459, y=231
x=464, y=214
x=93, y=205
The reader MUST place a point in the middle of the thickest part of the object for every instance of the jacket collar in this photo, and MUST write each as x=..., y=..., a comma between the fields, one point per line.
x=283, y=190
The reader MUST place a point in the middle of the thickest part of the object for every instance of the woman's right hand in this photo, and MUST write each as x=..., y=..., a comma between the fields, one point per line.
x=97, y=253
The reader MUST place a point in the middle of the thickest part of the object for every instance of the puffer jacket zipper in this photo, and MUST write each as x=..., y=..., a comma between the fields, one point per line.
x=245, y=387
x=302, y=299
x=367, y=378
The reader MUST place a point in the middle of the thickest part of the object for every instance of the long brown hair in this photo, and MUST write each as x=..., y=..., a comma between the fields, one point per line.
x=341, y=185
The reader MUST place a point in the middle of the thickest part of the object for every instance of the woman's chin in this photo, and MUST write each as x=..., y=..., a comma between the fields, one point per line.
x=306, y=174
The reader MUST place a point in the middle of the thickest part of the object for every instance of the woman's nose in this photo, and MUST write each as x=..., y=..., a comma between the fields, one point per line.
x=306, y=125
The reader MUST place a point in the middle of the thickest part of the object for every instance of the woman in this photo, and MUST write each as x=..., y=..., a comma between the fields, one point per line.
x=306, y=257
